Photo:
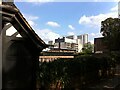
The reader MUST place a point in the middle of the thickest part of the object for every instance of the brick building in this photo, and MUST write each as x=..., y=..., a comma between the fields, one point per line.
x=99, y=45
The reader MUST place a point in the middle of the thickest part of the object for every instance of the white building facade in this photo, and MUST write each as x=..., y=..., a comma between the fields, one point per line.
x=72, y=43
x=81, y=41
x=65, y=43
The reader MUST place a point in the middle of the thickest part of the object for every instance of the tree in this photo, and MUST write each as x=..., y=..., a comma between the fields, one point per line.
x=88, y=48
x=110, y=29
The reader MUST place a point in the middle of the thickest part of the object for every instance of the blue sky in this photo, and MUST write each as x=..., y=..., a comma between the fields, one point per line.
x=51, y=20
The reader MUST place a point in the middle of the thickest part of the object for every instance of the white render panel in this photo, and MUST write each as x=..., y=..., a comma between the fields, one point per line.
x=70, y=40
x=80, y=45
x=85, y=38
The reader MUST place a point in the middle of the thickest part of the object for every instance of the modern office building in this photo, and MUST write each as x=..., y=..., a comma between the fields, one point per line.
x=83, y=38
x=71, y=37
x=79, y=45
x=65, y=43
x=71, y=43
x=50, y=43
x=81, y=41
x=64, y=47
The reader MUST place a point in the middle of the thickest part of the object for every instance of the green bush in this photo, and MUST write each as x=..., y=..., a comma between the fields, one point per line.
x=75, y=73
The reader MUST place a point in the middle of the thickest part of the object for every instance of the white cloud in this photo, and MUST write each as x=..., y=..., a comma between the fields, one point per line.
x=71, y=33
x=116, y=0
x=47, y=34
x=32, y=23
x=97, y=0
x=71, y=27
x=95, y=21
x=114, y=8
x=31, y=19
x=94, y=35
x=53, y=24
x=44, y=34
x=92, y=41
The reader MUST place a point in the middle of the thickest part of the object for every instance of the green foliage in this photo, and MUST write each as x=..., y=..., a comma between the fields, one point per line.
x=110, y=29
x=88, y=48
x=74, y=73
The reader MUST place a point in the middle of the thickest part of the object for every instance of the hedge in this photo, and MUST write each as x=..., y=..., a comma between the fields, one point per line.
x=75, y=73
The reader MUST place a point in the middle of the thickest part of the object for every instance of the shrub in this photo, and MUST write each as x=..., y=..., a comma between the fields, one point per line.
x=75, y=73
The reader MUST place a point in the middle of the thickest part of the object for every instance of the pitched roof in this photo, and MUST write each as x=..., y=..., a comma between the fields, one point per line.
x=10, y=13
